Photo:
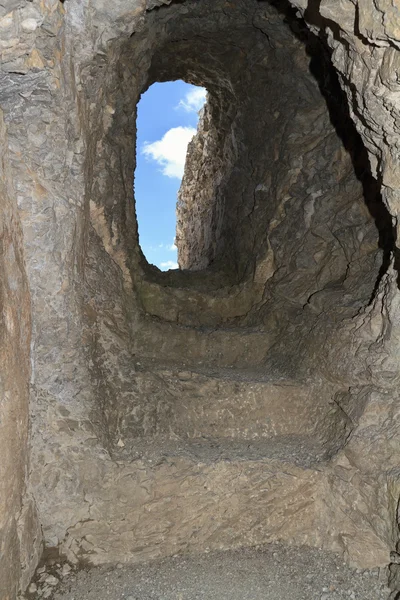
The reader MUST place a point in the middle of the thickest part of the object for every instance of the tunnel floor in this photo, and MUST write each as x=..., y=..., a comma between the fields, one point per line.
x=272, y=572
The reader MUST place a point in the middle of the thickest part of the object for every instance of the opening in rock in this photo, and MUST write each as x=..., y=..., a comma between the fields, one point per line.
x=167, y=120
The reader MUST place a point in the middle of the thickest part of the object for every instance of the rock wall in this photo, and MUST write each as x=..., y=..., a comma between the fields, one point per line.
x=272, y=352
x=20, y=536
x=198, y=211
x=42, y=154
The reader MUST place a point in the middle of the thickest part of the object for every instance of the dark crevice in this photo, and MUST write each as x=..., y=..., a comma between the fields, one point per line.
x=327, y=78
x=337, y=104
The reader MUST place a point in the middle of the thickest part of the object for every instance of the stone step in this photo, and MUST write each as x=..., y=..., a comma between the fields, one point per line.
x=162, y=497
x=185, y=404
x=302, y=451
x=196, y=307
x=155, y=496
x=200, y=346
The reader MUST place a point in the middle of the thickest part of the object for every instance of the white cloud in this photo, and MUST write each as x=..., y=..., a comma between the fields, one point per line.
x=193, y=100
x=169, y=264
x=170, y=151
x=170, y=247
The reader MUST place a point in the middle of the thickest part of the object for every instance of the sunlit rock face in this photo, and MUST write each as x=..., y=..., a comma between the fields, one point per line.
x=252, y=395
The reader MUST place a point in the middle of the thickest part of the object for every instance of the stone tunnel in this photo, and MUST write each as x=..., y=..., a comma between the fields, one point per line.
x=251, y=396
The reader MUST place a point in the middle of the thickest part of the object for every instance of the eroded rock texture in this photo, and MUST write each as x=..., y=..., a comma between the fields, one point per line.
x=19, y=531
x=251, y=396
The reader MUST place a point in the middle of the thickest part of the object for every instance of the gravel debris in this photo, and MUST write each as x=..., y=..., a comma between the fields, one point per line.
x=272, y=572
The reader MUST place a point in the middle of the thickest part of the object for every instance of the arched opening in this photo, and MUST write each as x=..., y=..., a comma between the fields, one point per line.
x=278, y=245
x=275, y=233
x=167, y=119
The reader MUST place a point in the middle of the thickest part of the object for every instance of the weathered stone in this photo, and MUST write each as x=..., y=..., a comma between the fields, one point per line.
x=252, y=395
x=29, y=25
x=15, y=528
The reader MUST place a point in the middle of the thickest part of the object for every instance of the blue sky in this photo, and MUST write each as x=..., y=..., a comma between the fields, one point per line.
x=166, y=122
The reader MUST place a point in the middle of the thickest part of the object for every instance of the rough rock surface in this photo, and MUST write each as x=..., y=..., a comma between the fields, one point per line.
x=263, y=376
x=268, y=573
x=19, y=532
